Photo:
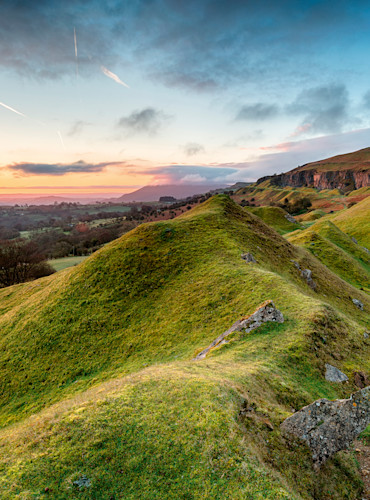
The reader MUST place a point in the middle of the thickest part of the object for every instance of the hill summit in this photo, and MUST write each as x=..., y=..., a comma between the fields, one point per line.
x=100, y=396
x=346, y=172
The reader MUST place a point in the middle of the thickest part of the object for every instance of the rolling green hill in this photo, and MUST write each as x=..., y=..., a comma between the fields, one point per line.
x=98, y=386
x=356, y=222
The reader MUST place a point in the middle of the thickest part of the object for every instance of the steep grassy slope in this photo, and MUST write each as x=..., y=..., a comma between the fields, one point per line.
x=337, y=251
x=275, y=217
x=356, y=222
x=166, y=427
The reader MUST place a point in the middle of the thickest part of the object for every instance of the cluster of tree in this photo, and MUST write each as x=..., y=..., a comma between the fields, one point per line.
x=64, y=215
x=82, y=240
x=21, y=261
x=295, y=207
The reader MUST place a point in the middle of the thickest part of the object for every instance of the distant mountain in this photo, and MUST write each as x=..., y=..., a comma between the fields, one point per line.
x=9, y=200
x=347, y=172
x=178, y=191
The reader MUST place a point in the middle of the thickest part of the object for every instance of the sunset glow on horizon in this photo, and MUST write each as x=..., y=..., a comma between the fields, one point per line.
x=105, y=97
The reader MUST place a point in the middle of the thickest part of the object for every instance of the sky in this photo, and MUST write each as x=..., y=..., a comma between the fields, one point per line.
x=108, y=96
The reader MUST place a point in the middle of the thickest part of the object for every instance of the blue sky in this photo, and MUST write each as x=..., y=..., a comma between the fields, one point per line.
x=217, y=91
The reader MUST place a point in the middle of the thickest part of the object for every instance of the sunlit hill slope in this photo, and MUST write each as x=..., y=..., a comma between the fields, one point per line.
x=100, y=397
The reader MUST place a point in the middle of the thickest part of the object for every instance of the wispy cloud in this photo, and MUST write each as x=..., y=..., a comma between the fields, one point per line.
x=257, y=112
x=325, y=109
x=113, y=76
x=188, y=174
x=147, y=121
x=58, y=169
x=77, y=127
x=193, y=148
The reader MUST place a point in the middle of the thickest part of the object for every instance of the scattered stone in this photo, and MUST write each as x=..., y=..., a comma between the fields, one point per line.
x=290, y=218
x=332, y=374
x=366, y=335
x=366, y=249
x=361, y=380
x=307, y=275
x=248, y=257
x=330, y=426
x=354, y=240
x=358, y=304
x=82, y=482
x=265, y=312
x=268, y=424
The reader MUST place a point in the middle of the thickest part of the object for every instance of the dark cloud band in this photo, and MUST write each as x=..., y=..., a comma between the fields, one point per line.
x=57, y=169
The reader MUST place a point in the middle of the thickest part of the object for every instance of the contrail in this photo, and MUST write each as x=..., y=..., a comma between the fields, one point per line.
x=114, y=77
x=76, y=53
x=12, y=109
x=61, y=139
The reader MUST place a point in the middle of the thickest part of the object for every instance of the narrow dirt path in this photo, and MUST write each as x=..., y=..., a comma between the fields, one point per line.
x=363, y=457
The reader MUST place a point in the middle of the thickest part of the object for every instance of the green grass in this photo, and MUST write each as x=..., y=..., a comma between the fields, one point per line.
x=275, y=217
x=337, y=251
x=65, y=262
x=356, y=222
x=96, y=376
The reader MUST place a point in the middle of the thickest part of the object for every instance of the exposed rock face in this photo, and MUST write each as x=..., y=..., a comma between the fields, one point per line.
x=248, y=257
x=346, y=172
x=266, y=312
x=346, y=180
x=330, y=426
x=332, y=374
x=307, y=275
x=290, y=218
x=358, y=304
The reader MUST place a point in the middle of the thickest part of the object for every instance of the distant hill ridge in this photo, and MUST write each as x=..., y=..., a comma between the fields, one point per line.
x=178, y=191
x=347, y=172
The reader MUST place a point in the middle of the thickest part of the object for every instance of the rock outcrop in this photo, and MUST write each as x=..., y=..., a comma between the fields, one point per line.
x=333, y=374
x=346, y=172
x=248, y=257
x=266, y=312
x=330, y=426
x=346, y=180
x=358, y=304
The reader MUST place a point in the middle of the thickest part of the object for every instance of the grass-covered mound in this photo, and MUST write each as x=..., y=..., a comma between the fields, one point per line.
x=136, y=313
x=356, y=221
x=353, y=267
x=275, y=217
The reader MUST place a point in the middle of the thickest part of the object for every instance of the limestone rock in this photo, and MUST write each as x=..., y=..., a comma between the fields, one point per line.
x=330, y=426
x=332, y=374
x=366, y=335
x=290, y=218
x=82, y=482
x=307, y=275
x=358, y=304
x=266, y=312
x=248, y=257
x=354, y=240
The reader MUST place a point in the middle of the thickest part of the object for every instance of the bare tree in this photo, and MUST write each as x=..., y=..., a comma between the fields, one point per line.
x=21, y=261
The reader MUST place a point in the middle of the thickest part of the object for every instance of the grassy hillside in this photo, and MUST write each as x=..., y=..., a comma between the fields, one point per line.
x=323, y=201
x=337, y=251
x=276, y=218
x=109, y=344
x=356, y=161
x=356, y=222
